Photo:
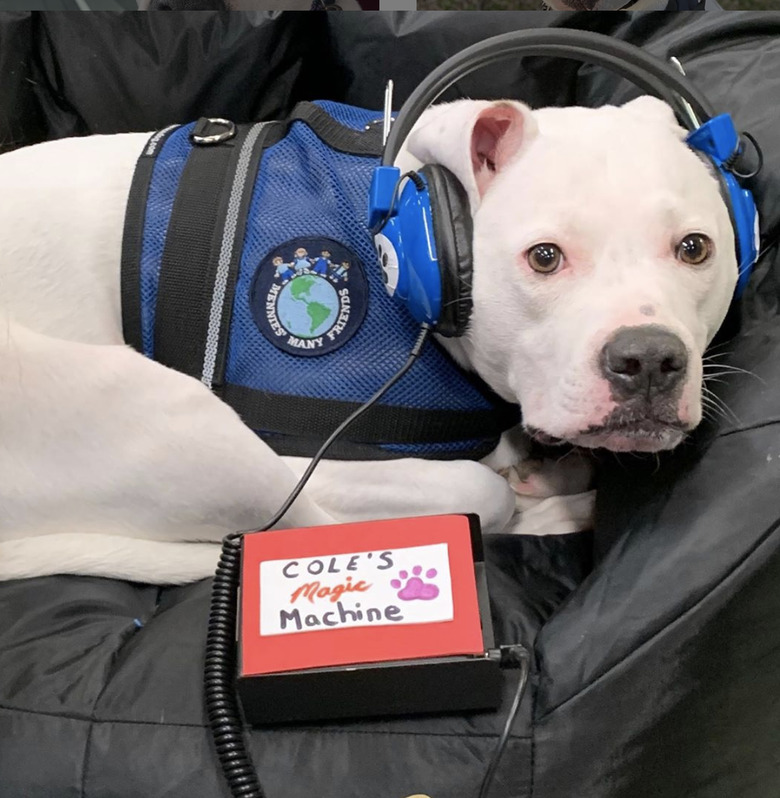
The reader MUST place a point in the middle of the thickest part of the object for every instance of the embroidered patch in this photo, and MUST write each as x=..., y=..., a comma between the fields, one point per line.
x=309, y=296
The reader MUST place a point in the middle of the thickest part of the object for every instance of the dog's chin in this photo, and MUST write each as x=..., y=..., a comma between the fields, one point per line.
x=648, y=436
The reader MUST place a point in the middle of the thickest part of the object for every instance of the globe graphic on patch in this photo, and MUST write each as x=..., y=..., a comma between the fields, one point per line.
x=308, y=306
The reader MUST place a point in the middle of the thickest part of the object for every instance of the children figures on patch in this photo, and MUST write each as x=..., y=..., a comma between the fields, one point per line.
x=283, y=270
x=302, y=264
x=322, y=263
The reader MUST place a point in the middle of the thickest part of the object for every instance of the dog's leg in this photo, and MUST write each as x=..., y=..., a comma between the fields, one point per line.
x=356, y=491
x=508, y=490
x=109, y=461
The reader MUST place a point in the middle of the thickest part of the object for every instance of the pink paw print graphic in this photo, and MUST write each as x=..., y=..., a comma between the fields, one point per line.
x=413, y=587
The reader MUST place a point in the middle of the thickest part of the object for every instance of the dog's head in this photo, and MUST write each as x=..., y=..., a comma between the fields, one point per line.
x=604, y=264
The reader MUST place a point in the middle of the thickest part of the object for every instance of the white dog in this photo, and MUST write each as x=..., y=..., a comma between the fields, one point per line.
x=604, y=264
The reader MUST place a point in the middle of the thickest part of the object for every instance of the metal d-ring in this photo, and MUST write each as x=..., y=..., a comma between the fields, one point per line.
x=214, y=138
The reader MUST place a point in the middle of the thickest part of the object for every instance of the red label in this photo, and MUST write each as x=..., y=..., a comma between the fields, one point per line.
x=357, y=593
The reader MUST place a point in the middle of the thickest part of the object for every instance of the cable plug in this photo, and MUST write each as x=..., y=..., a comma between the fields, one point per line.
x=514, y=655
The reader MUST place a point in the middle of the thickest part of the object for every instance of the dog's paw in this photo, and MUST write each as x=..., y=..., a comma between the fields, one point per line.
x=541, y=479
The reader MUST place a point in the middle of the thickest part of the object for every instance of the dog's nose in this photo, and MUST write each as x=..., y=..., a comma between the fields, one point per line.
x=644, y=360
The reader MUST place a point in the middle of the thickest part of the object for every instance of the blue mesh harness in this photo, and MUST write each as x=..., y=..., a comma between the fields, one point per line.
x=247, y=264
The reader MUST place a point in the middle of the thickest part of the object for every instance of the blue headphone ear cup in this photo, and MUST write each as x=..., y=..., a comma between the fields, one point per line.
x=719, y=144
x=453, y=232
x=744, y=239
x=726, y=195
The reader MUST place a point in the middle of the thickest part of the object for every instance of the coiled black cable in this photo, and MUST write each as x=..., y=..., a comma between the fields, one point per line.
x=222, y=707
x=221, y=703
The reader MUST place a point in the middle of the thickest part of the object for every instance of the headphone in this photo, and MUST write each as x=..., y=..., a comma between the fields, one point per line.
x=421, y=221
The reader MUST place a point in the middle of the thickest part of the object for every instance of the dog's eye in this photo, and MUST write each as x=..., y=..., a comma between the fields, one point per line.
x=694, y=249
x=544, y=258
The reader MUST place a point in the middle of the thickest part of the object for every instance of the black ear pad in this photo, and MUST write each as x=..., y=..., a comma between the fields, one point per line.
x=453, y=231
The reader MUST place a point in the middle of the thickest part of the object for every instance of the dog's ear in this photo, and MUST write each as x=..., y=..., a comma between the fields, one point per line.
x=656, y=112
x=474, y=139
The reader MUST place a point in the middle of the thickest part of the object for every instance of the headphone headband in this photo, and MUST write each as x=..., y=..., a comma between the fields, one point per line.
x=421, y=228
x=645, y=71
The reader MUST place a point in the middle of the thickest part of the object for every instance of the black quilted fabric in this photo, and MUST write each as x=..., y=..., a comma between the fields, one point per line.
x=656, y=664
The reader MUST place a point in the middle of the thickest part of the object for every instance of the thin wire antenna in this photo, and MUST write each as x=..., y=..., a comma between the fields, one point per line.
x=685, y=104
x=388, y=118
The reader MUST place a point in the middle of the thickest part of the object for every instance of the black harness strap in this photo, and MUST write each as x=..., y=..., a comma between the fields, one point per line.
x=132, y=239
x=334, y=134
x=288, y=415
x=202, y=250
x=303, y=446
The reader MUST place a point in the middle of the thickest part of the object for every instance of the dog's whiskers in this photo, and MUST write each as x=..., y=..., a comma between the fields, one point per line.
x=710, y=412
x=717, y=403
x=728, y=367
x=725, y=369
x=720, y=346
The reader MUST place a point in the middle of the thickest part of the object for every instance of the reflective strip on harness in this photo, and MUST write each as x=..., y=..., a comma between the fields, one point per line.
x=200, y=255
